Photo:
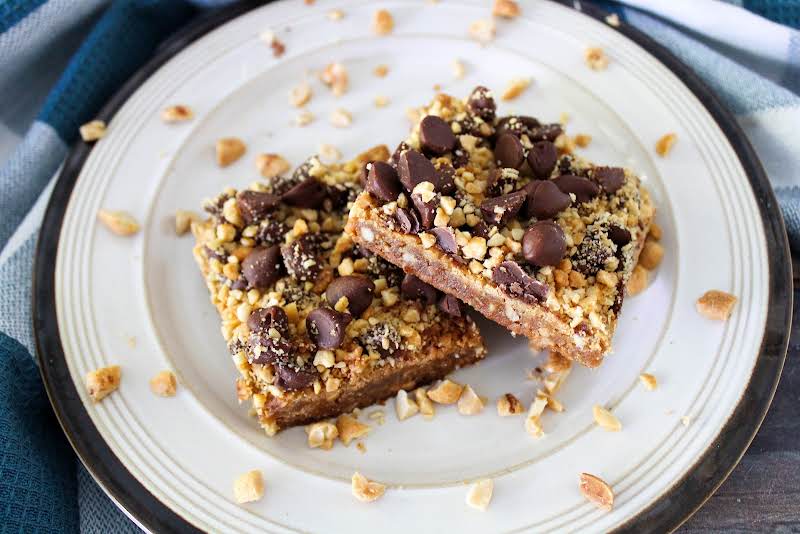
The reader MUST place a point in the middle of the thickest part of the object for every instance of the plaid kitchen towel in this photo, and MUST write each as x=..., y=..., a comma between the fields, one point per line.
x=61, y=59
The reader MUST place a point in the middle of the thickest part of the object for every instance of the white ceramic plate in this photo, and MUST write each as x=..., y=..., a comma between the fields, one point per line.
x=141, y=303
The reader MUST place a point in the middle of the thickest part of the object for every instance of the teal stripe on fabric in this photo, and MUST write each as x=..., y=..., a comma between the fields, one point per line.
x=123, y=39
x=13, y=11
x=781, y=11
x=37, y=467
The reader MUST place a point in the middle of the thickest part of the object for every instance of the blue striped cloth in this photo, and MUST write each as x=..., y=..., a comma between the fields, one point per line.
x=61, y=59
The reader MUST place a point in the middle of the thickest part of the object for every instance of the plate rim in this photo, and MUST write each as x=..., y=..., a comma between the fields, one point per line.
x=666, y=513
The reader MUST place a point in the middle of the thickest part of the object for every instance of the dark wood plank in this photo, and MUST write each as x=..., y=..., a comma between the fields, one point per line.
x=763, y=492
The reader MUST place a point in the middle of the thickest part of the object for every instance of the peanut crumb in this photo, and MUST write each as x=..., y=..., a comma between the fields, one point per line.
x=404, y=406
x=482, y=31
x=184, y=220
x=350, y=428
x=381, y=101
x=336, y=14
x=445, y=392
x=164, y=384
x=365, y=490
x=300, y=94
x=686, y=420
x=382, y=22
x=480, y=494
x=177, y=113
x=515, y=88
x=321, y=435
x=381, y=71
x=648, y=381
x=426, y=407
x=612, y=19
x=583, y=140
x=606, y=419
x=563, y=118
x=595, y=58
x=459, y=70
x=716, y=305
x=378, y=416
x=469, y=403
x=272, y=165
x=507, y=9
x=665, y=143
x=361, y=447
x=304, y=118
x=335, y=76
x=103, y=381
x=248, y=487
x=329, y=153
x=651, y=255
x=655, y=232
x=229, y=149
x=93, y=130
x=596, y=491
x=638, y=281
x=341, y=118
x=120, y=222
x=508, y=405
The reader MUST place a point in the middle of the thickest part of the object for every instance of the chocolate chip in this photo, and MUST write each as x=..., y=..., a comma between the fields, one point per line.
x=426, y=210
x=451, y=306
x=262, y=319
x=517, y=125
x=382, y=182
x=481, y=104
x=446, y=239
x=445, y=182
x=583, y=188
x=545, y=200
x=509, y=152
x=480, y=230
x=309, y=193
x=414, y=168
x=545, y=132
x=240, y=284
x=213, y=254
x=619, y=235
x=383, y=338
x=414, y=288
x=516, y=282
x=460, y=157
x=436, y=136
x=364, y=173
x=394, y=159
x=500, y=210
x=542, y=159
x=408, y=220
x=338, y=196
x=326, y=327
x=501, y=181
x=262, y=267
x=267, y=349
x=358, y=290
x=301, y=257
x=592, y=254
x=609, y=178
x=271, y=232
x=254, y=205
x=544, y=244
x=292, y=378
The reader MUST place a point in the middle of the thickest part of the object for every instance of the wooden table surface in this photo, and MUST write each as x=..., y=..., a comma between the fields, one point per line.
x=763, y=492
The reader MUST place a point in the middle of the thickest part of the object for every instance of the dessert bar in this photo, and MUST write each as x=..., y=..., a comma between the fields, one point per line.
x=499, y=213
x=316, y=325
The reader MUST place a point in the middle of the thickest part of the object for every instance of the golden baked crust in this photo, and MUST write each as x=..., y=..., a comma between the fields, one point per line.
x=395, y=343
x=583, y=292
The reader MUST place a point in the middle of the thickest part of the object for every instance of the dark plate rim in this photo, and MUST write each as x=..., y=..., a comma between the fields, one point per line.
x=667, y=513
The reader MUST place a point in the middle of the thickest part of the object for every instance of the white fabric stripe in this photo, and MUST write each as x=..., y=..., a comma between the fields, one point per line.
x=725, y=23
x=8, y=142
x=30, y=224
x=773, y=134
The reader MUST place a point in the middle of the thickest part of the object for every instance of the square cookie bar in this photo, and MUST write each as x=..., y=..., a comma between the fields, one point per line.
x=499, y=213
x=316, y=325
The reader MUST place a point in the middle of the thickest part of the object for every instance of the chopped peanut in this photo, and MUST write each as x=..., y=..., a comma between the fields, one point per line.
x=606, y=419
x=404, y=406
x=482, y=30
x=102, y=382
x=651, y=255
x=364, y=490
x=665, y=143
x=120, y=222
x=638, y=280
x=249, y=487
x=382, y=22
x=596, y=491
x=184, y=220
x=321, y=435
x=716, y=305
x=335, y=76
x=515, y=88
x=507, y=9
x=480, y=494
x=649, y=381
x=350, y=428
x=469, y=403
x=92, y=131
x=271, y=165
x=177, y=114
x=508, y=405
x=595, y=58
x=300, y=95
x=229, y=149
x=445, y=392
x=164, y=384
